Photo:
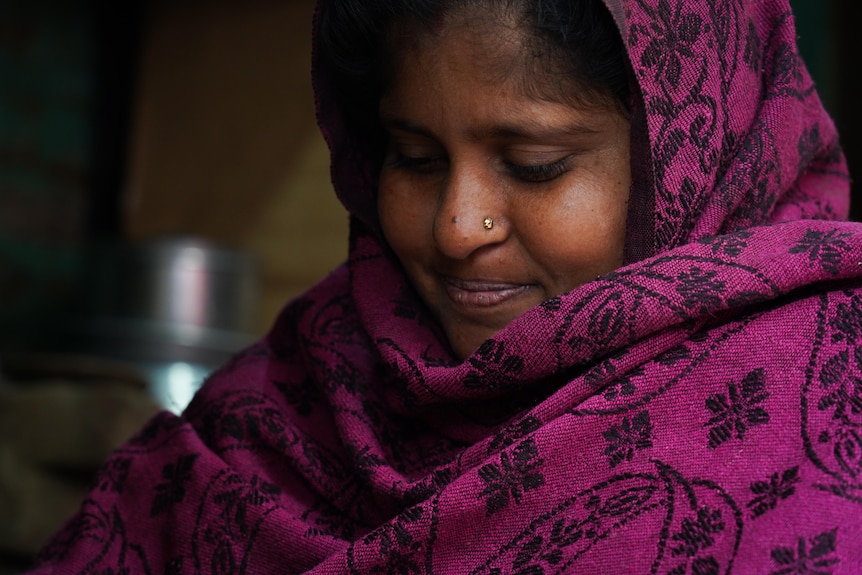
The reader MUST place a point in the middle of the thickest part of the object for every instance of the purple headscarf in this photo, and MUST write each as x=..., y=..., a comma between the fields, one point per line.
x=698, y=411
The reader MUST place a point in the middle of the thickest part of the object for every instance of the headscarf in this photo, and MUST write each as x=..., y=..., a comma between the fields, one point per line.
x=697, y=411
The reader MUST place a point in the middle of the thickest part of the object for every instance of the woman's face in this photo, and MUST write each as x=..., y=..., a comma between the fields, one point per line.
x=493, y=199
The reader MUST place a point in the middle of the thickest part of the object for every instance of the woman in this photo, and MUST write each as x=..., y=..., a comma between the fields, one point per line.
x=597, y=317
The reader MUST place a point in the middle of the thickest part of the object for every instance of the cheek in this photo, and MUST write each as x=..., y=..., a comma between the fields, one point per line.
x=582, y=235
x=607, y=206
x=607, y=228
x=403, y=219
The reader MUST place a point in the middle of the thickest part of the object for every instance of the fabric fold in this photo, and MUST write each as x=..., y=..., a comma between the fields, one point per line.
x=696, y=411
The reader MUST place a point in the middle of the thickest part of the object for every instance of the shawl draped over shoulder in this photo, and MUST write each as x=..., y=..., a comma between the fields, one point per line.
x=698, y=410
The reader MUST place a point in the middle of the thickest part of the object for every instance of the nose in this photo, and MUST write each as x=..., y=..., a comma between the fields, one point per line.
x=470, y=215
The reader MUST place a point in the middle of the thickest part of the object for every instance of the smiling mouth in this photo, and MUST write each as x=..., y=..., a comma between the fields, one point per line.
x=482, y=294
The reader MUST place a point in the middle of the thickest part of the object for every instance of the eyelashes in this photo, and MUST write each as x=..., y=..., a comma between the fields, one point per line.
x=539, y=173
x=421, y=165
x=531, y=173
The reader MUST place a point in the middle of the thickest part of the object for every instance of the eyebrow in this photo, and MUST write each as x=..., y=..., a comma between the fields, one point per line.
x=527, y=130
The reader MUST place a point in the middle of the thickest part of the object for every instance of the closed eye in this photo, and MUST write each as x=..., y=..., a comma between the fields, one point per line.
x=538, y=173
x=419, y=164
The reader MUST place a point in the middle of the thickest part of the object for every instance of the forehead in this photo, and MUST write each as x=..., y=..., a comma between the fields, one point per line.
x=481, y=32
x=493, y=38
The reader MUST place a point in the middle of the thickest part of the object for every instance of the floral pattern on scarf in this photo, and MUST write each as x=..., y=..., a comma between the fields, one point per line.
x=697, y=411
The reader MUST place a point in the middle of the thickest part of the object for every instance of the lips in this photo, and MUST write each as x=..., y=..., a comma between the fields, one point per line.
x=483, y=293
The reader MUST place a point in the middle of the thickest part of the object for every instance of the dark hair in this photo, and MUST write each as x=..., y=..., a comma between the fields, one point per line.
x=577, y=37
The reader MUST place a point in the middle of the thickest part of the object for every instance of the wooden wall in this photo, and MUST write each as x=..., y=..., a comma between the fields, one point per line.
x=225, y=144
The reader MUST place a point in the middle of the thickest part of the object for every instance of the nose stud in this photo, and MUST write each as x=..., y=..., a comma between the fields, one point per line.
x=488, y=223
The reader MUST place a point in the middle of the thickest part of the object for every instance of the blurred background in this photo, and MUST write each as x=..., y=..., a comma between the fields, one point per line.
x=163, y=192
